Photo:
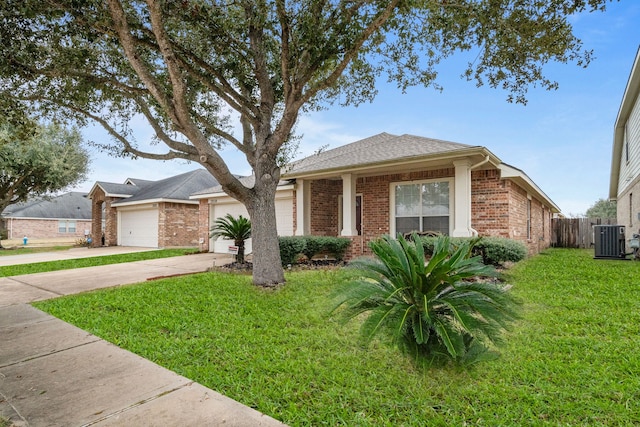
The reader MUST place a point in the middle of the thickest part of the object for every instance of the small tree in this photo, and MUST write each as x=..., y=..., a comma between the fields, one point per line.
x=602, y=209
x=234, y=229
x=39, y=163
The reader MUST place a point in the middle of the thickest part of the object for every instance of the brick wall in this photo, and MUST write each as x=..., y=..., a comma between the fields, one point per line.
x=499, y=208
x=178, y=224
x=203, y=225
x=324, y=207
x=98, y=202
x=17, y=228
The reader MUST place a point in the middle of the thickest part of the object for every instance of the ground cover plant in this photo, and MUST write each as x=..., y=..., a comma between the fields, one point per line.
x=571, y=359
x=41, y=267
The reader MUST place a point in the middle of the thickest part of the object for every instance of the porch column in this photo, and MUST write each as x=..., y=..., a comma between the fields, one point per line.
x=303, y=201
x=462, y=199
x=348, y=205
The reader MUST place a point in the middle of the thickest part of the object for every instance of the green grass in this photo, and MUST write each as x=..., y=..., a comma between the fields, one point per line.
x=41, y=267
x=572, y=359
x=31, y=250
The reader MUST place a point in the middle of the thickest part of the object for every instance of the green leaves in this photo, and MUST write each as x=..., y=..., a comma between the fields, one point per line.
x=236, y=229
x=432, y=309
x=39, y=160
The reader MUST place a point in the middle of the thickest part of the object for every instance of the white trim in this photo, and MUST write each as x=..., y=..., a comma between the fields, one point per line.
x=149, y=201
x=221, y=193
x=392, y=198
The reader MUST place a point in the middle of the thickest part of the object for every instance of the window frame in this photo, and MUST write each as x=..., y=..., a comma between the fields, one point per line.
x=392, y=201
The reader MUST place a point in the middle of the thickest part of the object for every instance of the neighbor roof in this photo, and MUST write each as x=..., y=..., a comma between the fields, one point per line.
x=376, y=149
x=176, y=188
x=72, y=205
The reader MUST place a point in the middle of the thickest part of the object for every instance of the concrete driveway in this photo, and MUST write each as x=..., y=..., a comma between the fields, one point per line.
x=54, y=374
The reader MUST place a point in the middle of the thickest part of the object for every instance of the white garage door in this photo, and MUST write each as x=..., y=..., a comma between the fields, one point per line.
x=236, y=209
x=284, y=218
x=139, y=228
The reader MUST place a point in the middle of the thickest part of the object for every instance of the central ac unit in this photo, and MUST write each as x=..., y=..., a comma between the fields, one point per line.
x=609, y=242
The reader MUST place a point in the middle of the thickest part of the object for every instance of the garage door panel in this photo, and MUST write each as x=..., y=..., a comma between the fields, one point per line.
x=284, y=220
x=139, y=228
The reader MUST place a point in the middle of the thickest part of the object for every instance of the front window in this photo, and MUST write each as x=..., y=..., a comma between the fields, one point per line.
x=71, y=227
x=422, y=206
x=62, y=226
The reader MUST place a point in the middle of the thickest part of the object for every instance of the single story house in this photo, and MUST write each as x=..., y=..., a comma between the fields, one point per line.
x=624, y=184
x=389, y=184
x=63, y=216
x=156, y=214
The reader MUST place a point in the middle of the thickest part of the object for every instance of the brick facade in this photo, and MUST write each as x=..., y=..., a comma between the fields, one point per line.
x=203, y=225
x=498, y=208
x=17, y=228
x=177, y=224
x=106, y=226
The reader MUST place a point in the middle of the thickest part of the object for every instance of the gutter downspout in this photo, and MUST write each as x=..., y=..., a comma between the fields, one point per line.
x=473, y=231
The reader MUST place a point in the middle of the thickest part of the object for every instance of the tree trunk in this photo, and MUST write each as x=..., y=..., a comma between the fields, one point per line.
x=267, y=264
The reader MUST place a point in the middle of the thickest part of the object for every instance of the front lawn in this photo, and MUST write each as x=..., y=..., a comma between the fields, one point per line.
x=572, y=359
x=66, y=264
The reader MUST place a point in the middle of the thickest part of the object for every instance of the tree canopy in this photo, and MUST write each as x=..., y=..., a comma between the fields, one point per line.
x=193, y=67
x=50, y=160
x=603, y=208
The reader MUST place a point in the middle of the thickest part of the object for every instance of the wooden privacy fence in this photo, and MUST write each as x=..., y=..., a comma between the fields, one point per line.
x=575, y=232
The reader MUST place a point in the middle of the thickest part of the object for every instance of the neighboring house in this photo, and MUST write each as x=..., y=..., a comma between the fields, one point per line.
x=624, y=186
x=67, y=215
x=143, y=213
x=389, y=184
x=215, y=203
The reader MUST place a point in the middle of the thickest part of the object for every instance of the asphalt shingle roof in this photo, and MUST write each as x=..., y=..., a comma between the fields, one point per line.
x=72, y=205
x=380, y=148
x=178, y=187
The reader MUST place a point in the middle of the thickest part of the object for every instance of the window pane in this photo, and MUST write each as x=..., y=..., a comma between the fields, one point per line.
x=62, y=226
x=72, y=227
x=407, y=224
x=407, y=200
x=438, y=224
x=435, y=198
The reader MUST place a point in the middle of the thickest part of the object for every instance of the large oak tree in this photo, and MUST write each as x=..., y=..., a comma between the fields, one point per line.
x=188, y=66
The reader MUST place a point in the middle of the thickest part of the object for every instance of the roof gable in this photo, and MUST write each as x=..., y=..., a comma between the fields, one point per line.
x=381, y=148
x=178, y=187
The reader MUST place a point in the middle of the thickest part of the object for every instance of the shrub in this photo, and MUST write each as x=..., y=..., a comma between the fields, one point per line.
x=290, y=248
x=497, y=250
x=313, y=245
x=432, y=311
x=337, y=246
x=493, y=250
x=236, y=229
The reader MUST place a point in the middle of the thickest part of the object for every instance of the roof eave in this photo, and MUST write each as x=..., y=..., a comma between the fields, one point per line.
x=510, y=172
x=626, y=106
x=405, y=161
x=219, y=194
x=151, y=201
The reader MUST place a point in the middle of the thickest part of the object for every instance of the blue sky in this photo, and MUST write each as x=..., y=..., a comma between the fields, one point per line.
x=562, y=139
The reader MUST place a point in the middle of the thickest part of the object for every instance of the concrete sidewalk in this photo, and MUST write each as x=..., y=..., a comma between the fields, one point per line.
x=54, y=374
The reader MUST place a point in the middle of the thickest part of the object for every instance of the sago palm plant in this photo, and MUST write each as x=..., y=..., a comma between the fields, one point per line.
x=430, y=309
x=236, y=229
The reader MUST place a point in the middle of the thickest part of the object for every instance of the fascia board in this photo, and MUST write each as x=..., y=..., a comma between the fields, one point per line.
x=509, y=172
x=223, y=194
x=150, y=201
x=629, y=98
x=399, y=163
